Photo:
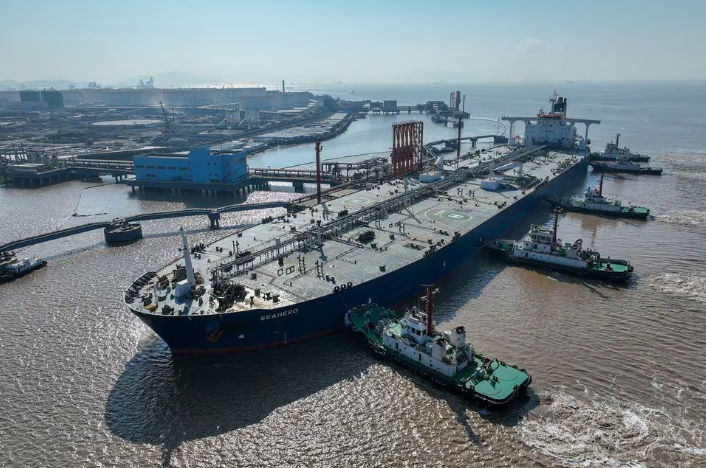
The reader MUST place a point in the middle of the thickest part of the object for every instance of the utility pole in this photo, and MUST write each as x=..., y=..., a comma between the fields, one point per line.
x=318, y=172
x=458, y=142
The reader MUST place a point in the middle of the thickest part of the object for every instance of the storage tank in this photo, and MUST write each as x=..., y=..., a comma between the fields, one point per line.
x=490, y=184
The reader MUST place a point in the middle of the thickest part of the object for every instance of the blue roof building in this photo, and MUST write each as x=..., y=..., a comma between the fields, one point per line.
x=199, y=166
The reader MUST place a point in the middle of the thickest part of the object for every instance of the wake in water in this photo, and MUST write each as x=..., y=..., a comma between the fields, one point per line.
x=692, y=286
x=589, y=431
x=685, y=218
x=689, y=165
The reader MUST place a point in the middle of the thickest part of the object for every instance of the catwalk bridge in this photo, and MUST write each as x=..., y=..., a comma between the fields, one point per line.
x=212, y=214
x=72, y=168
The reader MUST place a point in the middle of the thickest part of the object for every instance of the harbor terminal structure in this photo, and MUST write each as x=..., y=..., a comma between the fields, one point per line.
x=200, y=165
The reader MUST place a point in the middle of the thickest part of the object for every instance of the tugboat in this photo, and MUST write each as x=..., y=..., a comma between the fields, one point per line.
x=444, y=358
x=541, y=248
x=623, y=164
x=594, y=202
x=612, y=152
x=12, y=268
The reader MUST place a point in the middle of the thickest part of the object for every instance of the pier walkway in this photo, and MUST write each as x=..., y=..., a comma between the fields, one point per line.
x=472, y=139
x=212, y=213
x=70, y=168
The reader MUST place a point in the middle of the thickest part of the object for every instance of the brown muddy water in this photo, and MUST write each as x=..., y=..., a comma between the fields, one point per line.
x=619, y=372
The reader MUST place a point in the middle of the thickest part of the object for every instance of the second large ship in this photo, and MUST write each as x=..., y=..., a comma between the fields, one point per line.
x=294, y=277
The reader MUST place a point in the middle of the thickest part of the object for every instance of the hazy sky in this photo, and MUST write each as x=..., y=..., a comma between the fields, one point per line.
x=359, y=41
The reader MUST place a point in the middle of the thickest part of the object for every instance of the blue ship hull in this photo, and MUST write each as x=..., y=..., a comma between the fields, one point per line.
x=260, y=328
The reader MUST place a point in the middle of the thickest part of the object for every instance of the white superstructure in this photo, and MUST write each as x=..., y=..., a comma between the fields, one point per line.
x=614, y=151
x=594, y=200
x=540, y=245
x=446, y=353
x=552, y=128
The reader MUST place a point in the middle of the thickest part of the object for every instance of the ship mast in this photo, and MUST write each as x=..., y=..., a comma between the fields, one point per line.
x=556, y=223
x=600, y=185
x=187, y=260
x=430, y=310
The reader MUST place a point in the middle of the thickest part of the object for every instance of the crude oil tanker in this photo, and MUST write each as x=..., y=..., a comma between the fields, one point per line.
x=295, y=277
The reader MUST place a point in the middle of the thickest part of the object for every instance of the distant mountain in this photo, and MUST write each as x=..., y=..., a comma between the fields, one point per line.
x=175, y=79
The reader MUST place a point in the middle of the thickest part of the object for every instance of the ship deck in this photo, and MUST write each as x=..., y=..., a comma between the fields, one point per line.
x=310, y=271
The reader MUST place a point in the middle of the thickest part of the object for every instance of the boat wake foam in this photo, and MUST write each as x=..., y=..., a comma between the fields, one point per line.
x=692, y=286
x=582, y=430
x=685, y=218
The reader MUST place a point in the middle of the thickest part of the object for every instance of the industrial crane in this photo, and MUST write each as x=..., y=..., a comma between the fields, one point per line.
x=169, y=125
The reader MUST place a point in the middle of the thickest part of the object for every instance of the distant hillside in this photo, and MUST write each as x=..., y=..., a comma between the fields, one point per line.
x=174, y=79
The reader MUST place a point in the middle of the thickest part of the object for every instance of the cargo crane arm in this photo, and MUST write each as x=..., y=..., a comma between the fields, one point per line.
x=168, y=123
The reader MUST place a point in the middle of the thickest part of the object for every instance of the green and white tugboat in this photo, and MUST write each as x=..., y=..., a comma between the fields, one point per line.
x=623, y=165
x=541, y=248
x=612, y=152
x=444, y=358
x=594, y=202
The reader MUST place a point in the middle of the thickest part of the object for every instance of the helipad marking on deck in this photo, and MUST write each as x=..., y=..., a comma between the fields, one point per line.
x=456, y=216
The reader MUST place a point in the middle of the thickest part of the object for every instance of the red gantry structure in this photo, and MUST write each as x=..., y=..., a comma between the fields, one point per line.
x=407, y=147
